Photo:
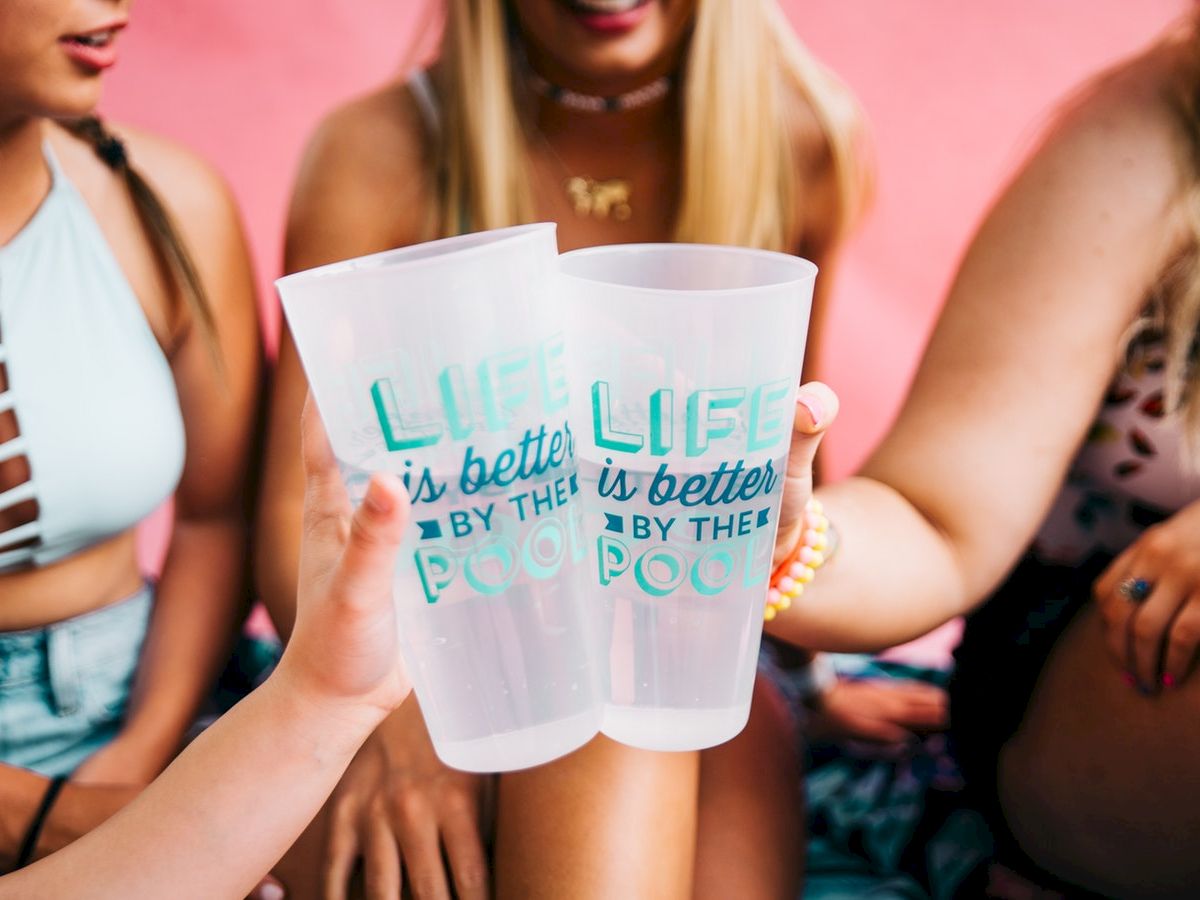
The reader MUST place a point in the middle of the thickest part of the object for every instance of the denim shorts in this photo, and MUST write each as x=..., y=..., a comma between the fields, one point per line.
x=64, y=688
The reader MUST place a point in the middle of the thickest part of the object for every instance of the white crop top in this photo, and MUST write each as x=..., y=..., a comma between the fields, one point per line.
x=97, y=414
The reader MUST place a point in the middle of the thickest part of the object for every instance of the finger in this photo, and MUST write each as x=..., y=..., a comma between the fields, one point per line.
x=875, y=729
x=364, y=574
x=320, y=465
x=464, y=849
x=268, y=889
x=1110, y=579
x=326, y=506
x=422, y=855
x=341, y=851
x=917, y=691
x=923, y=714
x=1182, y=644
x=1116, y=611
x=1148, y=628
x=816, y=408
x=381, y=861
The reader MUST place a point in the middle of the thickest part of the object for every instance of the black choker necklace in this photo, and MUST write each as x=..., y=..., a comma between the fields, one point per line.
x=643, y=96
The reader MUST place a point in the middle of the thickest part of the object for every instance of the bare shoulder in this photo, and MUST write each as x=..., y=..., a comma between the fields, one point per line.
x=363, y=182
x=379, y=133
x=194, y=192
x=806, y=132
x=1123, y=134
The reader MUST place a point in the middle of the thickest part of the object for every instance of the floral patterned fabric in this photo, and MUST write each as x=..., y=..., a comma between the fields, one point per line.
x=1131, y=472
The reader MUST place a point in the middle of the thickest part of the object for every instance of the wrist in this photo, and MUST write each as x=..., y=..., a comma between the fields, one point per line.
x=317, y=709
x=817, y=543
x=145, y=748
x=787, y=542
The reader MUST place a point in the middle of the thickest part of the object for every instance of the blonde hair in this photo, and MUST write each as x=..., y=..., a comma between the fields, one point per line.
x=1175, y=307
x=738, y=173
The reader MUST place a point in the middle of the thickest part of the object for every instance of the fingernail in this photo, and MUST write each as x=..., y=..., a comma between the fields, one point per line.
x=377, y=499
x=1168, y=680
x=814, y=407
x=271, y=891
x=1129, y=680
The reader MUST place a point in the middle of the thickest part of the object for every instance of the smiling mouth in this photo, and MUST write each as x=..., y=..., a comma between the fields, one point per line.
x=605, y=7
x=96, y=39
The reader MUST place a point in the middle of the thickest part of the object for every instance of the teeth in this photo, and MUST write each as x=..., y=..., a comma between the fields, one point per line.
x=608, y=6
x=95, y=39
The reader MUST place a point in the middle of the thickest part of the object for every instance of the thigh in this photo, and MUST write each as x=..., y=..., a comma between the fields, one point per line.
x=1100, y=785
x=750, y=841
x=606, y=821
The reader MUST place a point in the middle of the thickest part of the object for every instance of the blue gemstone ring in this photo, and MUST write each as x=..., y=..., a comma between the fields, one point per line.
x=1135, y=590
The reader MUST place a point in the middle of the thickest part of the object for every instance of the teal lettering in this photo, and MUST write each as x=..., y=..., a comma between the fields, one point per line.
x=501, y=575
x=702, y=426
x=553, y=374
x=701, y=572
x=613, y=557
x=602, y=428
x=453, y=384
x=768, y=417
x=662, y=422
x=502, y=394
x=397, y=436
x=436, y=567
x=660, y=570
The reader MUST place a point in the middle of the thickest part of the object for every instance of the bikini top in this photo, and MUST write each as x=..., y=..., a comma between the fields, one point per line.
x=87, y=387
x=1132, y=470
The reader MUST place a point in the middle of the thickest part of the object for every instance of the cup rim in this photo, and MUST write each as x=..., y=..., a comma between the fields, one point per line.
x=805, y=269
x=425, y=253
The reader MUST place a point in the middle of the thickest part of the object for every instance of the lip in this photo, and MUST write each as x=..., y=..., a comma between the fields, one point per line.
x=89, y=56
x=610, y=23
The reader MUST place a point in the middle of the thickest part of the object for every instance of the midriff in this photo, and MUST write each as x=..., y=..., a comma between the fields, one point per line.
x=87, y=581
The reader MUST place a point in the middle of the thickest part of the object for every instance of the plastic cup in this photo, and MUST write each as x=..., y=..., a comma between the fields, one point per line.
x=444, y=363
x=684, y=363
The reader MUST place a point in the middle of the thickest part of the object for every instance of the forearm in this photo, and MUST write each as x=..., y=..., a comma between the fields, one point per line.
x=222, y=813
x=894, y=576
x=196, y=612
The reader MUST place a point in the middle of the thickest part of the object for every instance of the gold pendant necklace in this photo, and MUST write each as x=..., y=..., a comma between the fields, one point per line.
x=600, y=199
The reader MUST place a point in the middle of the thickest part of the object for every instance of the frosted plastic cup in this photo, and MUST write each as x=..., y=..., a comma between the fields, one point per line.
x=444, y=363
x=684, y=364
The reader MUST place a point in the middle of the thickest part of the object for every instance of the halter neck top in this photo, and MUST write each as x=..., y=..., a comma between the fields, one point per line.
x=92, y=396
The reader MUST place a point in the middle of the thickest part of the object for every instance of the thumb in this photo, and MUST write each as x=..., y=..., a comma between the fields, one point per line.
x=364, y=574
x=816, y=408
x=326, y=506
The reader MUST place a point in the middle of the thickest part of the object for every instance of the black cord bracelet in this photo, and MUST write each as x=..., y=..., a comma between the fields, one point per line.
x=29, y=843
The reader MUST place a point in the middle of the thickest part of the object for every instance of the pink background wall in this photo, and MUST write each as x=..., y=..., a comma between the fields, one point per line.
x=956, y=93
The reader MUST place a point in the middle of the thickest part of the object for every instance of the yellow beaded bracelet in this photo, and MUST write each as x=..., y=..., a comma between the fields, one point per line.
x=791, y=575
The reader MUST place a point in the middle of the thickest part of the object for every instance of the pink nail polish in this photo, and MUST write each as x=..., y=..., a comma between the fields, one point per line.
x=1168, y=680
x=814, y=407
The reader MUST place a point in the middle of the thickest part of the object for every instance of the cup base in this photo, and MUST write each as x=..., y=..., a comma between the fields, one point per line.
x=656, y=728
x=521, y=749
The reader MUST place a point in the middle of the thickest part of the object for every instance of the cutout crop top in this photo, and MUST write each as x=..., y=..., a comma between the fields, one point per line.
x=92, y=396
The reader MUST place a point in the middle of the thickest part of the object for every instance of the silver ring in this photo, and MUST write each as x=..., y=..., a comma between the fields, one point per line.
x=1135, y=590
